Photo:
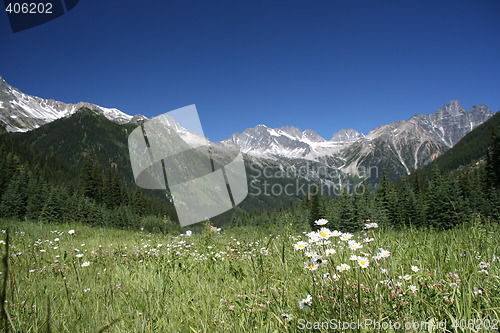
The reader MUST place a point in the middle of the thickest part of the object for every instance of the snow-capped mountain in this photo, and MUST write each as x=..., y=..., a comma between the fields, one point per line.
x=287, y=141
x=400, y=147
x=347, y=135
x=20, y=112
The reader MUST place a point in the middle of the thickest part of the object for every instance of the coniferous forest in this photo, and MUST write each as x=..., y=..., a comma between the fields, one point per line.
x=460, y=185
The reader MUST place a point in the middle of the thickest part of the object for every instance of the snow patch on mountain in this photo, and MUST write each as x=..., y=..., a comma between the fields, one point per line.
x=20, y=112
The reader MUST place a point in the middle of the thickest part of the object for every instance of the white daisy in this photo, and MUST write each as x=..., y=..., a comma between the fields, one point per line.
x=321, y=222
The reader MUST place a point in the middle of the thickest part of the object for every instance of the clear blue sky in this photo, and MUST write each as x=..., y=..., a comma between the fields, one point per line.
x=320, y=64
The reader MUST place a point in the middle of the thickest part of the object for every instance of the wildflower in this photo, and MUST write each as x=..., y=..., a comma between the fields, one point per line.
x=79, y=255
x=407, y=277
x=478, y=291
x=86, y=290
x=286, y=316
x=306, y=303
x=372, y=225
x=346, y=236
x=56, y=240
x=300, y=245
x=85, y=264
x=353, y=245
x=384, y=253
x=43, y=250
x=343, y=267
x=324, y=233
x=384, y=271
x=353, y=258
x=321, y=222
x=415, y=268
x=368, y=240
x=484, y=265
x=311, y=254
x=412, y=288
x=71, y=232
x=311, y=265
x=189, y=233
x=330, y=252
x=336, y=233
x=363, y=262
x=313, y=237
x=335, y=277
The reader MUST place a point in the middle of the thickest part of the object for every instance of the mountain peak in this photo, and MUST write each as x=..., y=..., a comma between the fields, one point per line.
x=453, y=108
x=347, y=135
x=21, y=112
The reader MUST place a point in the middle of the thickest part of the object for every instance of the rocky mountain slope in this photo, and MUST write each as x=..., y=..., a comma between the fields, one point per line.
x=20, y=112
x=399, y=147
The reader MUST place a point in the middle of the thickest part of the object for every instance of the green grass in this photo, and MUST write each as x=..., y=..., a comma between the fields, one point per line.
x=242, y=280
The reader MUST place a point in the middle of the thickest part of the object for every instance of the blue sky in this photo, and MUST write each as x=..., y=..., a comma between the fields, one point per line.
x=321, y=64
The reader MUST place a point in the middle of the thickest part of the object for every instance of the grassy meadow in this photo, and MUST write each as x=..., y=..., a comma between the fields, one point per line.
x=76, y=278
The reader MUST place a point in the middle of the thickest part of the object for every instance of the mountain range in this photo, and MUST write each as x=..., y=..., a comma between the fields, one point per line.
x=20, y=112
x=399, y=147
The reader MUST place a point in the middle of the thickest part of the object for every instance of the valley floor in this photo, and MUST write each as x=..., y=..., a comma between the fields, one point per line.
x=75, y=278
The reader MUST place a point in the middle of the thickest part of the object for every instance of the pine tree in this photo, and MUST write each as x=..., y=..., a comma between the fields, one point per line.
x=441, y=212
x=406, y=206
x=91, y=178
x=347, y=215
x=15, y=198
x=53, y=209
x=314, y=209
x=37, y=195
x=386, y=200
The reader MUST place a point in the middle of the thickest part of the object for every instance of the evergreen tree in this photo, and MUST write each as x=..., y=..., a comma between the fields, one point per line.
x=406, y=206
x=15, y=198
x=314, y=210
x=386, y=200
x=91, y=178
x=37, y=195
x=441, y=207
x=347, y=214
x=53, y=210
